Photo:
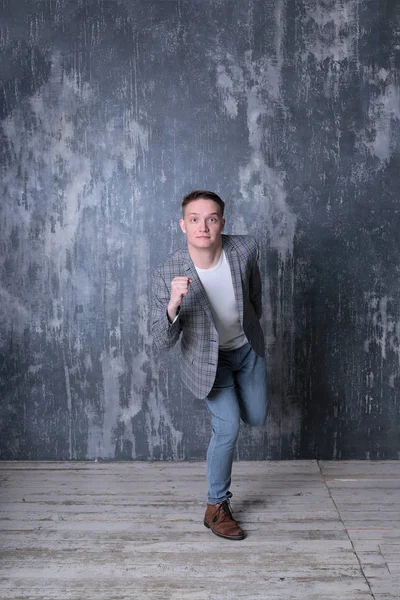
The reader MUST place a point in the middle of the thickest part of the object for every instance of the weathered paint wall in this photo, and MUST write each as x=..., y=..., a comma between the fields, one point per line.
x=110, y=113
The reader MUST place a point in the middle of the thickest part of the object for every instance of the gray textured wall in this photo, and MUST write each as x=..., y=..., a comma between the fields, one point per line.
x=110, y=112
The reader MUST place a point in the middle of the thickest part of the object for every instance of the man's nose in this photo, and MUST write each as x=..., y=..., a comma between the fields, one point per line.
x=204, y=226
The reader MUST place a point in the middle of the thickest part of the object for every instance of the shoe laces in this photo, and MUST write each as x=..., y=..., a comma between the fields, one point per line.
x=225, y=509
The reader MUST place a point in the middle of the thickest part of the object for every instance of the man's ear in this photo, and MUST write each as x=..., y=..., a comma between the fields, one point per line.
x=182, y=224
x=223, y=224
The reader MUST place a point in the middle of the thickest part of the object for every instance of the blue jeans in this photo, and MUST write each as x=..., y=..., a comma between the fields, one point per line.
x=239, y=391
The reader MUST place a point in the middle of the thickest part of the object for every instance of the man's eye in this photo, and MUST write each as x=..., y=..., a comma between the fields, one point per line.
x=193, y=220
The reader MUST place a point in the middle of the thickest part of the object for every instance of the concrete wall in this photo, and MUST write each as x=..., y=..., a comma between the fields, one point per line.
x=110, y=112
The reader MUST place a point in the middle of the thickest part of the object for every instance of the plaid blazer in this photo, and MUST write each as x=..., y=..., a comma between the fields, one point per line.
x=195, y=325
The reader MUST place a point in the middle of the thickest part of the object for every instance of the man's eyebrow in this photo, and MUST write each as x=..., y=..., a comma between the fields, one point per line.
x=209, y=215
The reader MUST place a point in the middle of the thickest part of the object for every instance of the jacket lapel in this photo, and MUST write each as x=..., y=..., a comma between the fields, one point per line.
x=196, y=286
x=234, y=264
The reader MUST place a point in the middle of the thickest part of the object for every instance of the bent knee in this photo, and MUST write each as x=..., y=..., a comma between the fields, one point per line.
x=256, y=420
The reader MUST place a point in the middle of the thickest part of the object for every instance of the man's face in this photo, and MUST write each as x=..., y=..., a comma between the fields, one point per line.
x=202, y=224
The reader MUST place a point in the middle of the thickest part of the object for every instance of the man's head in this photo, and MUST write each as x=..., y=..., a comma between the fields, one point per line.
x=204, y=195
x=202, y=220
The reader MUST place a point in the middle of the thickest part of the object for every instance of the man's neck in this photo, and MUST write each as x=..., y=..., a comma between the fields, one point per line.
x=207, y=258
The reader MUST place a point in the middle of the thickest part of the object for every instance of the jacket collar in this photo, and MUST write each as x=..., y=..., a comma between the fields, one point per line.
x=227, y=245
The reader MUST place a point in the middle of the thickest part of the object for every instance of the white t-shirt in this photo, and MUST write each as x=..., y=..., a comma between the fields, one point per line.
x=218, y=286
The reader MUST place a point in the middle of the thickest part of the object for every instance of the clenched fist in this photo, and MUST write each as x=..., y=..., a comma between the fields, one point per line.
x=179, y=289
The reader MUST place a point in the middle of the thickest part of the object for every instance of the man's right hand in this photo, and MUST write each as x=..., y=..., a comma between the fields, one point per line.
x=179, y=289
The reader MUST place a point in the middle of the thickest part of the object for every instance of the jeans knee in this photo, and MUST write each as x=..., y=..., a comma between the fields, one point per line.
x=256, y=419
x=228, y=431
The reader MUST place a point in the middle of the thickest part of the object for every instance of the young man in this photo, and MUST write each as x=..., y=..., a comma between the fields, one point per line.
x=209, y=295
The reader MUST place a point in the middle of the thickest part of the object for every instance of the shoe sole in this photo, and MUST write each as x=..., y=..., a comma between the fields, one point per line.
x=226, y=537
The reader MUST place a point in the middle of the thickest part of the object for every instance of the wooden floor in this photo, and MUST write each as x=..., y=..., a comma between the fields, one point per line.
x=104, y=531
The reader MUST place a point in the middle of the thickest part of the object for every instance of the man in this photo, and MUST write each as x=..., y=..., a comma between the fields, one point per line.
x=209, y=295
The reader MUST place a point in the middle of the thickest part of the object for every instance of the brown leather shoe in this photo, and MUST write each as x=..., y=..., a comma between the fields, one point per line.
x=219, y=519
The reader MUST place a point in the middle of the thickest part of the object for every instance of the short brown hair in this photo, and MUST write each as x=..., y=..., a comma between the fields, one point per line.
x=203, y=194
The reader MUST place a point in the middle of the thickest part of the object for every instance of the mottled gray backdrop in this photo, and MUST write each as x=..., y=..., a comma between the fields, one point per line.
x=110, y=112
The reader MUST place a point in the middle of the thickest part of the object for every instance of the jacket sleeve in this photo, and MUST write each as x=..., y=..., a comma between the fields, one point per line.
x=165, y=333
x=255, y=286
